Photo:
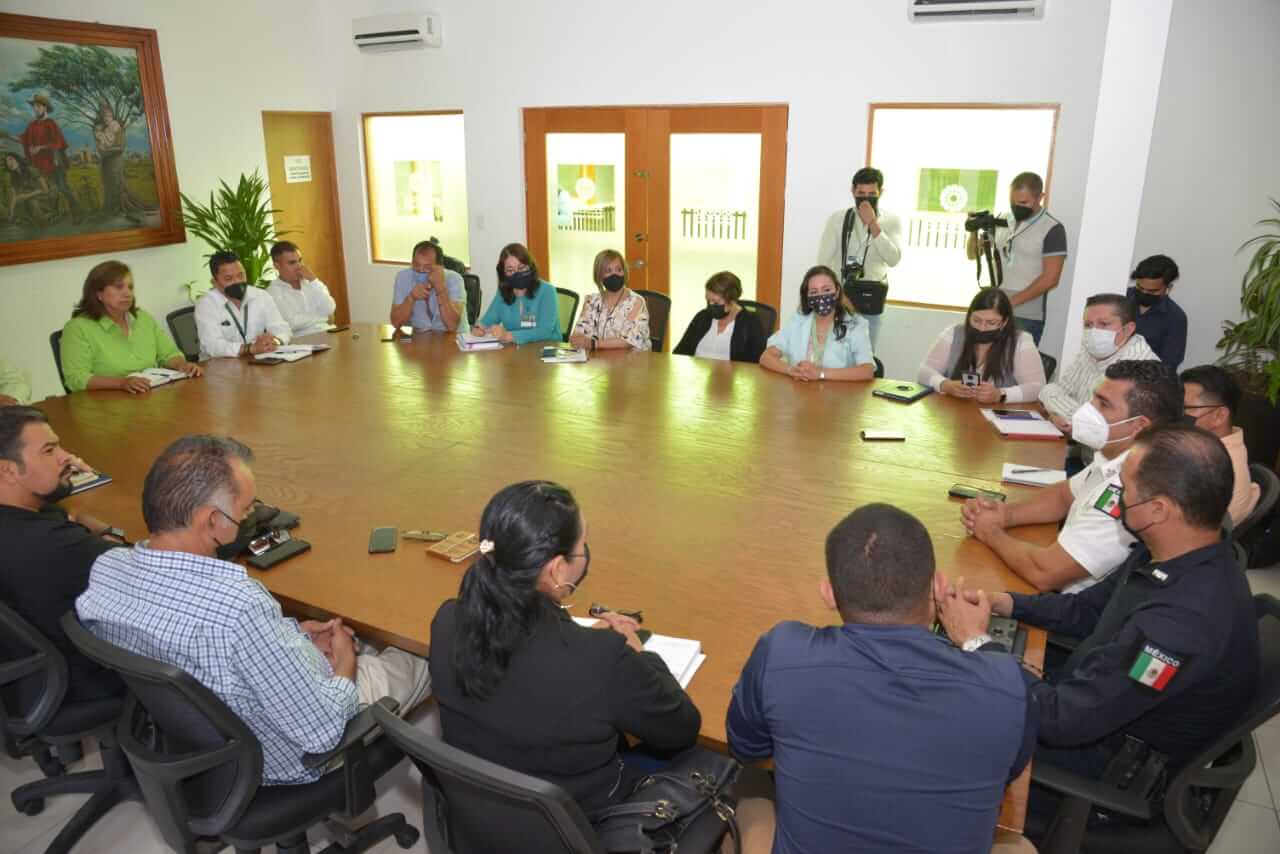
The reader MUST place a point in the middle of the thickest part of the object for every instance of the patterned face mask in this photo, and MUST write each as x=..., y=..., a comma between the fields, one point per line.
x=822, y=304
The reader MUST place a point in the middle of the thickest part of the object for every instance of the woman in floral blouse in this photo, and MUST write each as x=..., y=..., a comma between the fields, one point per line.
x=617, y=318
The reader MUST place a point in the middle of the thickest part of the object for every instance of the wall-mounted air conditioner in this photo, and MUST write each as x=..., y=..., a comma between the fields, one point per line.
x=390, y=32
x=960, y=10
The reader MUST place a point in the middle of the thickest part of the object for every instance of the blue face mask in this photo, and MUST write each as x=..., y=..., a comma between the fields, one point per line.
x=419, y=278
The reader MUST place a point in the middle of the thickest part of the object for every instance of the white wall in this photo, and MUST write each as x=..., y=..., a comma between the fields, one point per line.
x=499, y=57
x=1213, y=165
x=221, y=70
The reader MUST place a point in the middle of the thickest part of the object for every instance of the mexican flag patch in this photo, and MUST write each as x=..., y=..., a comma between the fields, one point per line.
x=1109, y=501
x=1154, y=667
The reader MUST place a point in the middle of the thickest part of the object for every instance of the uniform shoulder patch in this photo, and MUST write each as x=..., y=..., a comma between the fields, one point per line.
x=1154, y=667
x=1109, y=501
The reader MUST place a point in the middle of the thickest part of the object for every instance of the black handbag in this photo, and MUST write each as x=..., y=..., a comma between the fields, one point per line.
x=659, y=812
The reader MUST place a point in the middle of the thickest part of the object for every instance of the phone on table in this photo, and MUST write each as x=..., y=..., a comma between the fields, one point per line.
x=961, y=490
x=336, y=328
x=970, y=379
x=883, y=436
x=382, y=540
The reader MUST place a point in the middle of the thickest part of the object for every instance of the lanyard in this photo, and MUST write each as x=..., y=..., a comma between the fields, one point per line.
x=604, y=324
x=236, y=320
x=1018, y=232
x=816, y=352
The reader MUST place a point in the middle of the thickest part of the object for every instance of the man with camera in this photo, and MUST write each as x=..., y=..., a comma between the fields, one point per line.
x=1030, y=251
x=862, y=242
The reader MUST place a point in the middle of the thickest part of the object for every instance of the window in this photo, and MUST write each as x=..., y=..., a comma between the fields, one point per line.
x=940, y=162
x=416, y=171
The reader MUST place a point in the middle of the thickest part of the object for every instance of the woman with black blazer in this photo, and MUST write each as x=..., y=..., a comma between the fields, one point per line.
x=521, y=684
x=723, y=330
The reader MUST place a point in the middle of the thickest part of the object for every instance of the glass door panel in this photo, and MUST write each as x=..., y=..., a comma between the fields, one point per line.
x=714, y=216
x=586, y=202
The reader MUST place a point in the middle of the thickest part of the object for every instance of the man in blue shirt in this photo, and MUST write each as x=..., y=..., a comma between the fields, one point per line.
x=884, y=736
x=428, y=297
x=1161, y=321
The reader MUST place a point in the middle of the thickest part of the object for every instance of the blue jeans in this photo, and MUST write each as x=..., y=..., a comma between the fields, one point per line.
x=1035, y=327
x=873, y=320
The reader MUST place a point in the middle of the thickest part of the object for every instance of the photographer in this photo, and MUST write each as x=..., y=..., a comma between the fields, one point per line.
x=1033, y=250
x=862, y=242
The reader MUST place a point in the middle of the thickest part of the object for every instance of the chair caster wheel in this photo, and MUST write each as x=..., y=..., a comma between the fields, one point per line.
x=407, y=838
x=35, y=806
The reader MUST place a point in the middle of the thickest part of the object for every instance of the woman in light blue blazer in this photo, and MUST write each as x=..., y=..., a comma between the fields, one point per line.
x=825, y=339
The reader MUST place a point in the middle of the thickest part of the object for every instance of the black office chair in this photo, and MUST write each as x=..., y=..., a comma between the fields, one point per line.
x=1187, y=815
x=659, y=314
x=200, y=767
x=35, y=721
x=1050, y=365
x=473, y=806
x=55, y=343
x=768, y=314
x=182, y=326
x=879, y=367
x=471, y=282
x=1269, y=483
x=567, y=305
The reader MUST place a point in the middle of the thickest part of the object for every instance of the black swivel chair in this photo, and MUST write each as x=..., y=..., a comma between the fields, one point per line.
x=471, y=282
x=1050, y=364
x=55, y=343
x=879, y=374
x=659, y=314
x=768, y=314
x=473, y=806
x=182, y=326
x=1195, y=801
x=35, y=721
x=1269, y=483
x=567, y=307
x=200, y=768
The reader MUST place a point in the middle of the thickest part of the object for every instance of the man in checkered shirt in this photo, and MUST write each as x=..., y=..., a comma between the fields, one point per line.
x=295, y=685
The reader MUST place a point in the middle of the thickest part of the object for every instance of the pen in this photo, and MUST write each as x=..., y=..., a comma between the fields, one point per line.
x=1026, y=471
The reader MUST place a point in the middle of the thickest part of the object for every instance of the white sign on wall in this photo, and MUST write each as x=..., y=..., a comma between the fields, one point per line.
x=297, y=168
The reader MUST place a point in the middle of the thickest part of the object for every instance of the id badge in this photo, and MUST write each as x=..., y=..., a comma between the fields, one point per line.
x=528, y=322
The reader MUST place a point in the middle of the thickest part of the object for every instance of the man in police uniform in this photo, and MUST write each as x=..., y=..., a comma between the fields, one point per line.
x=1033, y=249
x=1168, y=649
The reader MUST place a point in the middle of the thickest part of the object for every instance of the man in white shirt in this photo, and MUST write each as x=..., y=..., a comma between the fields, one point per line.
x=303, y=300
x=15, y=389
x=1093, y=540
x=235, y=319
x=863, y=242
x=1211, y=396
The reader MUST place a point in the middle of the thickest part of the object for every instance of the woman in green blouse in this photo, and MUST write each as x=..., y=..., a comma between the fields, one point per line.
x=108, y=338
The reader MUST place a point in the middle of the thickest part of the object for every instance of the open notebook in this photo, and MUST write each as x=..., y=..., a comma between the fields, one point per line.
x=1031, y=475
x=291, y=352
x=1021, y=424
x=159, y=376
x=683, y=656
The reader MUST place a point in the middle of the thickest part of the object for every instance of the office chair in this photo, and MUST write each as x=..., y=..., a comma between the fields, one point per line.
x=473, y=806
x=1050, y=365
x=471, y=282
x=879, y=367
x=200, y=767
x=36, y=721
x=1186, y=816
x=567, y=305
x=1269, y=484
x=55, y=343
x=659, y=313
x=182, y=326
x=768, y=314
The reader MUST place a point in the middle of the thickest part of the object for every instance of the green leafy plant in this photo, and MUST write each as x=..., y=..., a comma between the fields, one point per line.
x=238, y=219
x=1250, y=347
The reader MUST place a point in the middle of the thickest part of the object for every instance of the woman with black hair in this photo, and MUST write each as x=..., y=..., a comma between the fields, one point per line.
x=525, y=309
x=521, y=684
x=985, y=358
x=825, y=339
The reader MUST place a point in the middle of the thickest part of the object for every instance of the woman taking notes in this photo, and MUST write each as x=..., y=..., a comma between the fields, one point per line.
x=723, y=330
x=525, y=308
x=108, y=337
x=985, y=358
x=521, y=684
x=616, y=318
x=824, y=339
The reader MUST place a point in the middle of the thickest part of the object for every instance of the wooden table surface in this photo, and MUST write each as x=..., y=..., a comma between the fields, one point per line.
x=708, y=487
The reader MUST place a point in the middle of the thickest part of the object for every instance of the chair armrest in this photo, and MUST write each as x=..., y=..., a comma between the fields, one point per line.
x=358, y=730
x=1131, y=803
x=357, y=777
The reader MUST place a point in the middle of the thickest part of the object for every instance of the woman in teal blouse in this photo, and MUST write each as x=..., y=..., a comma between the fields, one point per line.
x=825, y=339
x=525, y=309
x=108, y=338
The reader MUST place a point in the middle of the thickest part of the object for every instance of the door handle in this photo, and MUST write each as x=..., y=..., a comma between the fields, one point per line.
x=637, y=264
x=640, y=236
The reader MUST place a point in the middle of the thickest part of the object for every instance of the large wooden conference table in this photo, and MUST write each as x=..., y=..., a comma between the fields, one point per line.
x=708, y=487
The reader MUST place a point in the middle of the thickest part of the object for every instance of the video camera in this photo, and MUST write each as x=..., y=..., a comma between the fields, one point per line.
x=984, y=221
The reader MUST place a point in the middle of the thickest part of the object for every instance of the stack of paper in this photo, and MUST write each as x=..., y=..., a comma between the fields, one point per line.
x=1021, y=424
x=563, y=355
x=682, y=656
x=86, y=480
x=1030, y=475
x=291, y=352
x=159, y=376
x=468, y=342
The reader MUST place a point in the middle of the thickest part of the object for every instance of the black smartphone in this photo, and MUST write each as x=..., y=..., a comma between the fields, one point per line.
x=883, y=436
x=960, y=490
x=382, y=540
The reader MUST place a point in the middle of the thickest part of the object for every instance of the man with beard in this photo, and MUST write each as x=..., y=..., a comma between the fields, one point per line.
x=45, y=553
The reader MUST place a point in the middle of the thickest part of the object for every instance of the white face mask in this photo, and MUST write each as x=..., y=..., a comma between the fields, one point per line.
x=1100, y=343
x=1090, y=429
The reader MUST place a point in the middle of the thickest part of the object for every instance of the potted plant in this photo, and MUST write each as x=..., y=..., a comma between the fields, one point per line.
x=238, y=219
x=1250, y=347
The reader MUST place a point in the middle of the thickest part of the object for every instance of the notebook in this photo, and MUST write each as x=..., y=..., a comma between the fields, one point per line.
x=468, y=342
x=1021, y=424
x=682, y=656
x=159, y=376
x=563, y=355
x=291, y=352
x=1031, y=475
x=84, y=481
x=901, y=390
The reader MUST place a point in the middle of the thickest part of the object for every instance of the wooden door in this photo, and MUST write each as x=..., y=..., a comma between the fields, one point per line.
x=304, y=189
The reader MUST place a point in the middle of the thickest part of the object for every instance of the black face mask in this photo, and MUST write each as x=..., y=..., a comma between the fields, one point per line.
x=984, y=336
x=245, y=531
x=1022, y=213
x=1124, y=520
x=717, y=310
x=236, y=291
x=61, y=492
x=520, y=280
x=874, y=201
x=1145, y=299
x=614, y=283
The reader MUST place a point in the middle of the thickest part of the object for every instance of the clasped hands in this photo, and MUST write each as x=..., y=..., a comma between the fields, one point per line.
x=966, y=614
x=805, y=371
x=983, y=392
x=335, y=640
x=982, y=517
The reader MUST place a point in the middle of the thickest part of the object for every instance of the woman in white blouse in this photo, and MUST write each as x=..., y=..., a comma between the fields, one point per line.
x=616, y=318
x=1000, y=363
x=723, y=330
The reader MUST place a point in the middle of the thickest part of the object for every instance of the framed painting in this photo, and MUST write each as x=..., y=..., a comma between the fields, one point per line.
x=86, y=154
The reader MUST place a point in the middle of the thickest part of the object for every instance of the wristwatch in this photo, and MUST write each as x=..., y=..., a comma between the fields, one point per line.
x=975, y=643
